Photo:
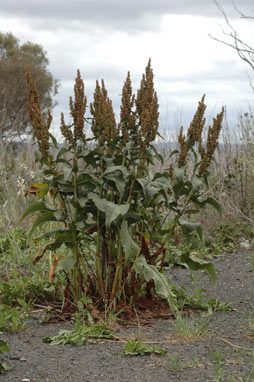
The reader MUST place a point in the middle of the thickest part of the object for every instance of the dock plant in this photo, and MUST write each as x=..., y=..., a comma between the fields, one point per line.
x=106, y=205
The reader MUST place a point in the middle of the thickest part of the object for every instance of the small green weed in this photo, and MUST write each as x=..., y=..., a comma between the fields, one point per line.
x=198, y=298
x=176, y=365
x=12, y=239
x=134, y=347
x=12, y=319
x=27, y=289
x=80, y=334
x=191, y=328
x=221, y=374
x=217, y=357
x=3, y=349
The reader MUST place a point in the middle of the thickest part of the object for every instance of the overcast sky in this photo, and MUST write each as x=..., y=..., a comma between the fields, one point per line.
x=106, y=38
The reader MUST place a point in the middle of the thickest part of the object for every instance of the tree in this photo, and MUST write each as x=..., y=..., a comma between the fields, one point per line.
x=14, y=61
x=244, y=50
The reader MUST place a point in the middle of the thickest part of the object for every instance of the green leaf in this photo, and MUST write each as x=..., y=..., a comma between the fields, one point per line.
x=53, y=140
x=43, y=218
x=117, y=174
x=214, y=203
x=179, y=173
x=162, y=283
x=79, y=335
x=61, y=238
x=133, y=348
x=131, y=249
x=196, y=183
x=66, y=264
x=112, y=211
x=3, y=347
x=194, y=263
x=34, y=208
x=189, y=227
x=60, y=215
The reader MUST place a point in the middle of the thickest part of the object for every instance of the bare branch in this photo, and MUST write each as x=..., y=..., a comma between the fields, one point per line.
x=243, y=49
x=242, y=15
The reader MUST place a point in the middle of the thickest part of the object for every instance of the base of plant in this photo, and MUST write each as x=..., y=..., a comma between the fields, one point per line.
x=142, y=310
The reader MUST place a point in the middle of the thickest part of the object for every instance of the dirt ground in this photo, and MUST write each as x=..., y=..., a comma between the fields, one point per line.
x=225, y=354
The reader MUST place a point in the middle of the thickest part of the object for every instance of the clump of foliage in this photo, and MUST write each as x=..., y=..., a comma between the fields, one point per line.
x=108, y=207
x=135, y=348
x=80, y=334
x=12, y=319
x=14, y=59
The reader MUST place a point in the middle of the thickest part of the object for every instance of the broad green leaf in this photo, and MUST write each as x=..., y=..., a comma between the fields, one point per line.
x=178, y=188
x=131, y=249
x=114, y=169
x=162, y=283
x=214, y=203
x=66, y=264
x=161, y=182
x=43, y=218
x=61, y=238
x=82, y=201
x=60, y=215
x=189, y=227
x=67, y=173
x=179, y=173
x=35, y=208
x=118, y=174
x=150, y=188
x=196, y=183
x=112, y=211
x=194, y=263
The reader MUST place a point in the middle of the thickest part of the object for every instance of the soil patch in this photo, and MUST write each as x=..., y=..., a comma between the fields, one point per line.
x=227, y=352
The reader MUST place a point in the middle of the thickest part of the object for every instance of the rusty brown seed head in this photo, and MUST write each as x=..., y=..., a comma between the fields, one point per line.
x=40, y=129
x=78, y=108
x=103, y=125
x=127, y=117
x=147, y=109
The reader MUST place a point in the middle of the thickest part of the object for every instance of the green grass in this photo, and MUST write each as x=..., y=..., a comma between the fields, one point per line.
x=187, y=327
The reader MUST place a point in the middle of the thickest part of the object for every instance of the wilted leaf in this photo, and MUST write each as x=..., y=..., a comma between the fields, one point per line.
x=162, y=283
x=38, y=189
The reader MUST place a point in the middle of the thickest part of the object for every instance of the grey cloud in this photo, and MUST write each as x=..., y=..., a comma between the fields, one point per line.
x=132, y=14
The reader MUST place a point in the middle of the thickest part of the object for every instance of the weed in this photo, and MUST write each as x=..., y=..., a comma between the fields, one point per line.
x=176, y=365
x=12, y=319
x=198, y=298
x=190, y=328
x=217, y=357
x=221, y=374
x=134, y=348
x=80, y=334
x=109, y=209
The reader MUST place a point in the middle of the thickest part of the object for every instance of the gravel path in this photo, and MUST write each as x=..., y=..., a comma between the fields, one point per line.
x=36, y=361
